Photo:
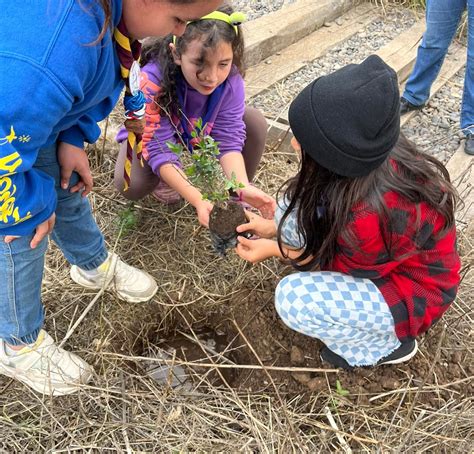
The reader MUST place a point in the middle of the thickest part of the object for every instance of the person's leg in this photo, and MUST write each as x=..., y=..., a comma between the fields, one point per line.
x=348, y=314
x=256, y=130
x=82, y=243
x=27, y=353
x=143, y=180
x=467, y=113
x=21, y=311
x=75, y=231
x=442, y=20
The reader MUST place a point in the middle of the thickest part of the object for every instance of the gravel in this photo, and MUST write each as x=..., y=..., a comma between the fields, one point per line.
x=357, y=48
x=257, y=8
x=435, y=129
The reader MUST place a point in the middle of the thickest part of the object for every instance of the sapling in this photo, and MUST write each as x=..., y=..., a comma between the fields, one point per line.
x=203, y=169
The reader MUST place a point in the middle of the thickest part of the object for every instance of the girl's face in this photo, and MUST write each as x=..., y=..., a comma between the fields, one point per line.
x=145, y=18
x=205, y=71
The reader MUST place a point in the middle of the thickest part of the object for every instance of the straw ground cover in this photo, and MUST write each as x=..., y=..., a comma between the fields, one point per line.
x=263, y=390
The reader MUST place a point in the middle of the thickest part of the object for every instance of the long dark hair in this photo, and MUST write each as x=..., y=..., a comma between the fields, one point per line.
x=315, y=190
x=106, y=5
x=211, y=32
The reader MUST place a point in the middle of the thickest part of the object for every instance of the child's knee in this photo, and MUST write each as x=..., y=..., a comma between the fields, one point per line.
x=131, y=193
x=286, y=301
x=298, y=303
x=255, y=120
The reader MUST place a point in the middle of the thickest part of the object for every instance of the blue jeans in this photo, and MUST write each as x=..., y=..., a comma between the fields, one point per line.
x=21, y=268
x=442, y=20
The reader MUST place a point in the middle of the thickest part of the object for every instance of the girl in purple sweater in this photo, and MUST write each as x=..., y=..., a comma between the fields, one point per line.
x=197, y=75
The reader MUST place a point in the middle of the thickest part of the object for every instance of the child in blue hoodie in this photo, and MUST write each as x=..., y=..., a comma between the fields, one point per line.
x=63, y=69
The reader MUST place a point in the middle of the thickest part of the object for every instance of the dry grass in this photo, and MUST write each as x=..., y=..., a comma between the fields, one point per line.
x=123, y=410
x=415, y=4
x=419, y=6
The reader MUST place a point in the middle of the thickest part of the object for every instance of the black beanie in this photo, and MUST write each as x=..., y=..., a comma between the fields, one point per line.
x=348, y=121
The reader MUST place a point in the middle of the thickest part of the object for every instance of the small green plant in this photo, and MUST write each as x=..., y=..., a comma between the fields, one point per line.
x=340, y=390
x=202, y=166
x=335, y=399
x=127, y=220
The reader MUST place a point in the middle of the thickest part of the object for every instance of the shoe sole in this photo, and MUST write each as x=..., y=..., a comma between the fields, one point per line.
x=403, y=359
x=77, y=278
x=469, y=152
x=410, y=111
x=47, y=388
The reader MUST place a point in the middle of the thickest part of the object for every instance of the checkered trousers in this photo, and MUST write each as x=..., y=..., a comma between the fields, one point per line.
x=348, y=314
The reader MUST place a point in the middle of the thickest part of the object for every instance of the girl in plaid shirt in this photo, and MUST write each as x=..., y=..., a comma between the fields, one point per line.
x=368, y=222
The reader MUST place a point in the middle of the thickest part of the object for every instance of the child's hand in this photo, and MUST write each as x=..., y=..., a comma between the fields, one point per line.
x=264, y=228
x=203, y=209
x=74, y=159
x=41, y=230
x=258, y=199
x=255, y=251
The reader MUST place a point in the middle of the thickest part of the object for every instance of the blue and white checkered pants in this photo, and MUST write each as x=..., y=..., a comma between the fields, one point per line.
x=348, y=314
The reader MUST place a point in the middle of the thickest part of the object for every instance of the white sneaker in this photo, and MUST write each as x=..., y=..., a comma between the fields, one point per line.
x=45, y=367
x=130, y=284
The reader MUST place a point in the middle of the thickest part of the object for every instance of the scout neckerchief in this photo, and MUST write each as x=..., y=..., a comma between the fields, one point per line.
x=211, y=104
x=128, y=51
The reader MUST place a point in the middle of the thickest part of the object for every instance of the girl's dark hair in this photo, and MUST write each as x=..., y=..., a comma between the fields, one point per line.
x=107, y=7
x=415, y=176
x=211, y=32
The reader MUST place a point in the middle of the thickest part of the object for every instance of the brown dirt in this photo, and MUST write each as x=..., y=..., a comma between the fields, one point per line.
x=253, y=313
x=224, y=219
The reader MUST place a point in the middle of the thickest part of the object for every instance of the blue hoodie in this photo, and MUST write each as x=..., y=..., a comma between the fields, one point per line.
x=55, y=85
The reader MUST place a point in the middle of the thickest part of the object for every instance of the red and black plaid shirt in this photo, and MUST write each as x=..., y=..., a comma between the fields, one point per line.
x=420, y=278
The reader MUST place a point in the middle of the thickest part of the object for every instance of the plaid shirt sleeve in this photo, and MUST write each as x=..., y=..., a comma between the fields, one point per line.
x=420, y=277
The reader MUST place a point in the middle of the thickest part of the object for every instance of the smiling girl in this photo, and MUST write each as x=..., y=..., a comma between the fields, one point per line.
x=197, y=75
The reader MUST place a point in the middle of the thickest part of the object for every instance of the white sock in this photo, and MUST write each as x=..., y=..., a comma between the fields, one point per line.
x=12, y=352
x=91, y=274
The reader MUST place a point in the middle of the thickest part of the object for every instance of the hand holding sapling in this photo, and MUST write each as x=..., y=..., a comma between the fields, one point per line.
x=205, y=173
x=258, y=199
x=256, y=251
x=264, y=228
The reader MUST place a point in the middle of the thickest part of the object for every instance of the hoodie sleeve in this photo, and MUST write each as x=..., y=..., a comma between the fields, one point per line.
x=86, y=129
x=229, y=126
x=158, y=127
x=27, y=195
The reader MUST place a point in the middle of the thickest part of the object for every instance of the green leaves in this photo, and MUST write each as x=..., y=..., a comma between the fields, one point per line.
x=127, y=220
x=340, y=390
x=203, y=168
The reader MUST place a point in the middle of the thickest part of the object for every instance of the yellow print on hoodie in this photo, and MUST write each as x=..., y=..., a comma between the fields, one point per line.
x=8, y=165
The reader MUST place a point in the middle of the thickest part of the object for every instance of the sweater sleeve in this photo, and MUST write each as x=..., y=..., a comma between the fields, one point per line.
x=27, y=196
x=229, y=126
x=86, y=128
x=158, y=127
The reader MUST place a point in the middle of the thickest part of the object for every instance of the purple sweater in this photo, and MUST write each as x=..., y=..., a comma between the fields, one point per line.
x=225, y=125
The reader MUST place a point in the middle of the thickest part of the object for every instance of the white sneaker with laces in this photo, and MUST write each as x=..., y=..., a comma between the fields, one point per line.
x=130, y=284
x=45, y=367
